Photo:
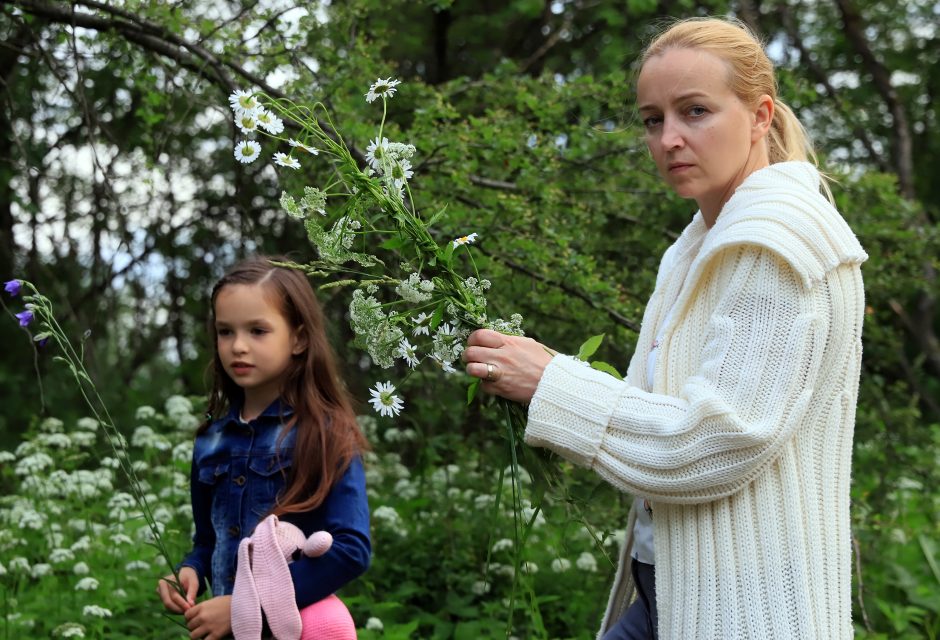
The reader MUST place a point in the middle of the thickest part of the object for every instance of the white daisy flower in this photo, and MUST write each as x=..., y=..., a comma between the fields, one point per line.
x=376, y=152
x=284, y=160
x=382, y=89
x=302, y=147
x=401, y=172
x=384, y=400
x=465, y=240
x=408, y=353
x=421, y=328
x=270, y=123
x=243, y=100
x=246, y=122
x=247, y=151
x=446, y=367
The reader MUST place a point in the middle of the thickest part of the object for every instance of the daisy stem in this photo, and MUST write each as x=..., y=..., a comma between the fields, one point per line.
x=384, y=112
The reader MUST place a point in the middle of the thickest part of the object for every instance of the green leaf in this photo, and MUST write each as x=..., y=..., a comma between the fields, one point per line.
x=589, y=347
x=396, y=242
x=449, y=253
x=436, y=216
x=472, y=390
x=606, y=368
x=437, y=316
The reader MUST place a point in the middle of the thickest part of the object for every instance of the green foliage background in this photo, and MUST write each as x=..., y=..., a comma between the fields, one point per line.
x=120, y=199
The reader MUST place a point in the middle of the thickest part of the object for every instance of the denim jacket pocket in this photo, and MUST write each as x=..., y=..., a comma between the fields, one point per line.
x=268, y=474
x=211, y=473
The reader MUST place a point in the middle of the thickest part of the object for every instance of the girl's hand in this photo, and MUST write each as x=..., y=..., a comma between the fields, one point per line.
x=172, y=600
x=211, y=619
x=510, y=366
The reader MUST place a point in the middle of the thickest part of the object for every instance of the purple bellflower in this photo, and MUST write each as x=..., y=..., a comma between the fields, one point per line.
x=25, y=317
x=13, y=287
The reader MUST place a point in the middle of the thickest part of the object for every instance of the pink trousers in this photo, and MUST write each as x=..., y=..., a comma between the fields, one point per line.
x=327, y=619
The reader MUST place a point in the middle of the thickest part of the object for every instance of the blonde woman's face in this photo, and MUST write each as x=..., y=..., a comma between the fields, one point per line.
x=704, y=140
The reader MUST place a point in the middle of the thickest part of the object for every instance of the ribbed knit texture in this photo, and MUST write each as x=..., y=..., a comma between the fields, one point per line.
x=263, y=582
x=744, y=445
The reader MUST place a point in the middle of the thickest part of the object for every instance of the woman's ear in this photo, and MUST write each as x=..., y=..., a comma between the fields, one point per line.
x=763, y=117
x=300, y=341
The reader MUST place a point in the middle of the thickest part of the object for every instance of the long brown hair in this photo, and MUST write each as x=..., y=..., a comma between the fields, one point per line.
x=328, y=437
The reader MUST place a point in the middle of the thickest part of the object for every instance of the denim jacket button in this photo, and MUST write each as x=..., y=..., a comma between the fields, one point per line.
x=240, y=480
x=234, y=530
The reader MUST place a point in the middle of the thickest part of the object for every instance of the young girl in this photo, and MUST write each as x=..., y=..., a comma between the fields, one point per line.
x=281, y=439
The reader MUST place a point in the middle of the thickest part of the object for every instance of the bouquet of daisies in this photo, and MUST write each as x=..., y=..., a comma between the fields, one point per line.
x=422, y=308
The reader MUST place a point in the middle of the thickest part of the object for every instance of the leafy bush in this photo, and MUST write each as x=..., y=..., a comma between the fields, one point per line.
x=75, y=559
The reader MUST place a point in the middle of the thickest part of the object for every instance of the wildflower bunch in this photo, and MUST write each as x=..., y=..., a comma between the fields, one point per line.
x=38, y=310
x=426, y=303
x=369, y=205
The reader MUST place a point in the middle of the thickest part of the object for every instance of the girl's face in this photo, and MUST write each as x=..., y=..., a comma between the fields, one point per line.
x=254, y=340
x=704, y=140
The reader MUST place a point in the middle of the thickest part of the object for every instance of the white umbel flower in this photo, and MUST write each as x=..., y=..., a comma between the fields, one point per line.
x=86, y=584
x=382, y=89
x=247, y=151
x=284, y=160
x=95, y=611
x=384, y=400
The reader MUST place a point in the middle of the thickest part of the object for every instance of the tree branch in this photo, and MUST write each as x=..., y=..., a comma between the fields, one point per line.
x=901, y=143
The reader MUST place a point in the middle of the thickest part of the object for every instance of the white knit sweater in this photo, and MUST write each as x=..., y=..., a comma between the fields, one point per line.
x=744, y=447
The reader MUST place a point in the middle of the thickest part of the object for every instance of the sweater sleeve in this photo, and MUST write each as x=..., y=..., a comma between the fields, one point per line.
x=345, y=514
x=763, y=345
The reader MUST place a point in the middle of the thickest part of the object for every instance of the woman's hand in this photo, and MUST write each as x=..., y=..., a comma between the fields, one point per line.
x=171, y=598
x=211, y=619
x=510, y=366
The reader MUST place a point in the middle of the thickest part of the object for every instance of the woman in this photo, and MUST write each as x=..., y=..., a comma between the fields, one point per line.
x=734, y=423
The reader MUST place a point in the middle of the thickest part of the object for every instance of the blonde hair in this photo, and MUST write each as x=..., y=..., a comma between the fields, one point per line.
x=751, y=75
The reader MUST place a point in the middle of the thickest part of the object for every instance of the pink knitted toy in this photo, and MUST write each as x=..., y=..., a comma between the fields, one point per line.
x=263, y=583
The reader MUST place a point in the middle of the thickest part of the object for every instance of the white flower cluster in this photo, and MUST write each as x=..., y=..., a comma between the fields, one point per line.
x=144, y=437
x=69, y=630
x=415, y=289
x=312, y=200
x=374, y=329
x=389, y=519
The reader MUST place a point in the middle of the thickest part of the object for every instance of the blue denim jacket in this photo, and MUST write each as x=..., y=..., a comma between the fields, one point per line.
x=236, y=476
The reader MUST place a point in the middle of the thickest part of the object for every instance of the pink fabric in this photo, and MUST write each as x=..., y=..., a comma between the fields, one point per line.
x=327, y=619
x=263, y=579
